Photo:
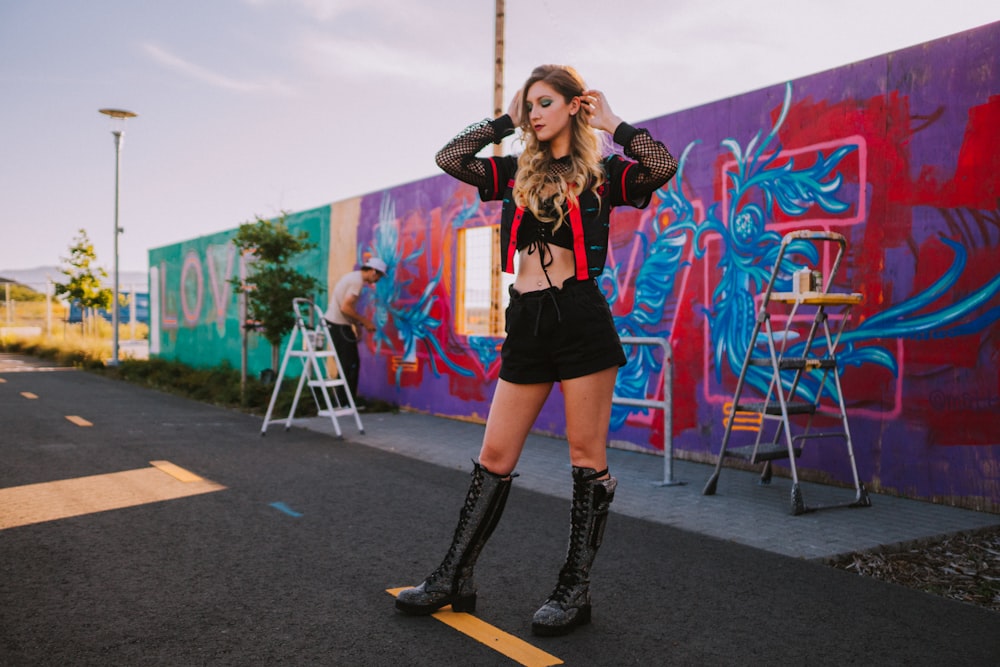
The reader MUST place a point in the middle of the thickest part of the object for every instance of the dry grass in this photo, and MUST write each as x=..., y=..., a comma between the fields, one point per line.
x=221, y=385
x=70, y=346
x=70, y=349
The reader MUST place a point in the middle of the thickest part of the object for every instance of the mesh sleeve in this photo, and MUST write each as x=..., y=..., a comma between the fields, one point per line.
x=458, y=157
x=655, y=165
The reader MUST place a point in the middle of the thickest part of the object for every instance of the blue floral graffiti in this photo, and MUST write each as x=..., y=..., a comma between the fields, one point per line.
x=750, y=250
x=654, y=286
x=412, y=320
x=758, y=187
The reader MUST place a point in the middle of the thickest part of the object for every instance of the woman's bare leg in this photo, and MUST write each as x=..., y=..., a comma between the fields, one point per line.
x=588, y=415
x=513, y=412
x=588, y=411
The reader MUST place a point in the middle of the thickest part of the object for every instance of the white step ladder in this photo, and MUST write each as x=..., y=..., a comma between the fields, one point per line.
x=311, y=342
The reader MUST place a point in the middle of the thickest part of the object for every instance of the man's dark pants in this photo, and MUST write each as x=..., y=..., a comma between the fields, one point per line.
x=346, y=343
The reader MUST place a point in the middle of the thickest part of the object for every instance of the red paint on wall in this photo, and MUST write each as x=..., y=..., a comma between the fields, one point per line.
x=933, y=260
x=960, y=418
x=468, y=388
x=688, y=352
x=622, y=240
x=976, y=183
x=884, y=122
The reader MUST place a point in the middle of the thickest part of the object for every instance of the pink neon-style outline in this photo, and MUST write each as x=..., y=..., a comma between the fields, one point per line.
x=826, y=224
x=220, y=300
x=192, y=261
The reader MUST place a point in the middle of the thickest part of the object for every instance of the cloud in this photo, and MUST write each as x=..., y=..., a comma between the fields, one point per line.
x=198, y=73
x=369, y=60
x=325, y=10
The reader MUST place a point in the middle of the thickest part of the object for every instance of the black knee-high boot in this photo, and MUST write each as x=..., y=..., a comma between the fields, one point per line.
x=452, y=583
x=569, y=604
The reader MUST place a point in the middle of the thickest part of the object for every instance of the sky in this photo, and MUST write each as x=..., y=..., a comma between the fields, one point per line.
x=253, y=107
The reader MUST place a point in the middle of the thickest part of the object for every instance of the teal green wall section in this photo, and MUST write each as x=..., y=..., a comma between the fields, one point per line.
x=195, y=311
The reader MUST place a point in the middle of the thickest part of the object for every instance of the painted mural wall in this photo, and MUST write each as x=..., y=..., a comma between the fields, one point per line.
x=897, y=153
x=195, y=312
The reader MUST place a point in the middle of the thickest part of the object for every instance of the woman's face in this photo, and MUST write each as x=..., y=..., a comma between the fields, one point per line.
x=549, y=115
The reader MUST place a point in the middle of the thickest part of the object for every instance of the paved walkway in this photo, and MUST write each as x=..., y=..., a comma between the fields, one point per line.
x=741, y=510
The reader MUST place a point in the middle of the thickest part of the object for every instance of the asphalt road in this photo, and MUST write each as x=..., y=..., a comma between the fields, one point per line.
x=290, y=562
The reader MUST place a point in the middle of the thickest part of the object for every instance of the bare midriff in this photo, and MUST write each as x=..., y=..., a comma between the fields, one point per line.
x=530, y=275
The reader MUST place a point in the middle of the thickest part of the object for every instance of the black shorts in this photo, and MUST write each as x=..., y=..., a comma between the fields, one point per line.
x=559, y=334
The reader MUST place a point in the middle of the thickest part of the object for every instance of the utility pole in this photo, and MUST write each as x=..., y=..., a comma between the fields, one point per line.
x=498, y=69
x=496, y=297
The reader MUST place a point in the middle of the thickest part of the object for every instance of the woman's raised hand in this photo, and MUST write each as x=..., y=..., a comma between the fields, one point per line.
x=514, y=110
x=598, y=111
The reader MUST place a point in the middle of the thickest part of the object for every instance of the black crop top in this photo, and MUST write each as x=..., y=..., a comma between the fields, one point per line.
x=533, y=232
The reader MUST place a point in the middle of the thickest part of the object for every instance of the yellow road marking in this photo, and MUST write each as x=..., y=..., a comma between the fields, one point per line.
x=28, y=394
x=175, y=471
x=79, y=421
x=49, y=501
x=502, y=642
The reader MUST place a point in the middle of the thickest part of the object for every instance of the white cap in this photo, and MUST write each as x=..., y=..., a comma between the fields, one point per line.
x=375, y=263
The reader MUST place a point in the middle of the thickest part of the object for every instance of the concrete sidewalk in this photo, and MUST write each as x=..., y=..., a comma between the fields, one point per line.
x=741, y=511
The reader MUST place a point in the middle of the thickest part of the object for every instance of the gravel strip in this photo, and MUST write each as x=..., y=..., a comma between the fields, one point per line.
x=964, y=567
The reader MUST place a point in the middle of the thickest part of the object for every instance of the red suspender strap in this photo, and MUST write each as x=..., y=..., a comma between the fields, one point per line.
x=579, y=249
x=496, y=185
x=508, y=265
x=624, y=172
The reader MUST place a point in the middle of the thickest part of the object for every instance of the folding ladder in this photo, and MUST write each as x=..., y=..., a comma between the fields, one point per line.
x=802, y=374
x=311, y=342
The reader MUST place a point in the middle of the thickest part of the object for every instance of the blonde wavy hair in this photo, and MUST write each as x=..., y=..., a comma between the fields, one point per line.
x=535, y=183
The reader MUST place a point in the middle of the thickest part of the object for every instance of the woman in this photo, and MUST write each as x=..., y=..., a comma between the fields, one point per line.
x=557, y=198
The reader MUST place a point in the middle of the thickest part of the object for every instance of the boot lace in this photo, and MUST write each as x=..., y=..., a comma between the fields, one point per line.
x=475, y=490
x=564, y=591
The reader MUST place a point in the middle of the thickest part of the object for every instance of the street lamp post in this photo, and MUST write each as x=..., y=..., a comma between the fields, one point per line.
x=118, y=117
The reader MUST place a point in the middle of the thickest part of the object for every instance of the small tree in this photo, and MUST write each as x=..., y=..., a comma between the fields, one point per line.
x=271, y=283
x=83, y=286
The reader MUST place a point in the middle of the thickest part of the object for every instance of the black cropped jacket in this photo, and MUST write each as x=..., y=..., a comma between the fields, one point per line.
x=628, y=182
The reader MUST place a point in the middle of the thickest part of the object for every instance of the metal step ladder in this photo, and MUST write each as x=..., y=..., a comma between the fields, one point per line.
x=802, y=373
x=312, y=344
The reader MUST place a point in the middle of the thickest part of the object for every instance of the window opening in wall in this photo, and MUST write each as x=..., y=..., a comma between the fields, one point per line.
x=482, y=288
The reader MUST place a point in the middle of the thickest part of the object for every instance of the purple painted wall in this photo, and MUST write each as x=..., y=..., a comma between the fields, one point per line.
x=898, y=153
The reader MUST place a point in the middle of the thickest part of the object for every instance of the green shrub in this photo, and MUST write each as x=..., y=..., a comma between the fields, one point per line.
x=219, y=385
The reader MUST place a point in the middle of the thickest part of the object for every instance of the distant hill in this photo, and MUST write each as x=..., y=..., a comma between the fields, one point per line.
x=37, y=278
